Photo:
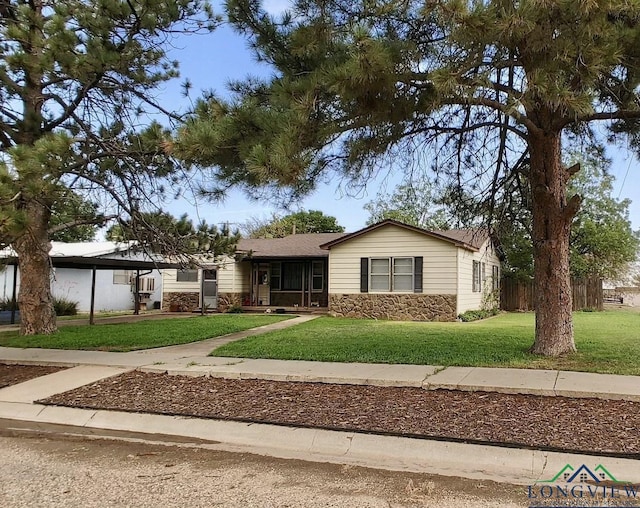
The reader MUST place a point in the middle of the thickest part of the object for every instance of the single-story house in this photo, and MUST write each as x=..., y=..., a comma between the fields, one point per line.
x=115, y=276
x=288, y=272
x=389, y=270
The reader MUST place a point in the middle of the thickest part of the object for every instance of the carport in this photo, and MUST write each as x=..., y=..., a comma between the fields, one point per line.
x=93, y=264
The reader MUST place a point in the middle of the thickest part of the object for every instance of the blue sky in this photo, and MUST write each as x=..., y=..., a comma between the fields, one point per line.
x=211, y=61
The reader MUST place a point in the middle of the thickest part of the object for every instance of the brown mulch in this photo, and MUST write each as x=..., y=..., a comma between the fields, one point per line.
x=556, y=423
x=14, y=374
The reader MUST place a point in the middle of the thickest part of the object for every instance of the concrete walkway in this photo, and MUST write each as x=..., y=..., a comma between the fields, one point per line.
x=17, y=408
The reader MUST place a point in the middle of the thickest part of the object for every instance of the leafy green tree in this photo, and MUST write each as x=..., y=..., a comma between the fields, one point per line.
x=602, y=242
x=74, y=219
x=411, y=203
x=480, y=89
x=162, y=233
x=312, y=221
x=77, y=80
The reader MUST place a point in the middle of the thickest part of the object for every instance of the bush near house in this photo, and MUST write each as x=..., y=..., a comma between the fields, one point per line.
x=6, y=304
x=475, y=315
x=62, y=306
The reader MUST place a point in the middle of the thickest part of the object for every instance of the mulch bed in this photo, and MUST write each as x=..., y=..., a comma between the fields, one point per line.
x=14, y=374
x=556, y=423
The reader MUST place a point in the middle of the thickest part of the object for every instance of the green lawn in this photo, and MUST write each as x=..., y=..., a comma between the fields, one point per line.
x=142, y=334
x=608, y=342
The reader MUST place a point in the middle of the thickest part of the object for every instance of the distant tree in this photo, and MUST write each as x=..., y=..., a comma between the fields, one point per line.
x=177, y=238
x=602, y=241
x=312, y=221
x=413, y=203
x=74, y=219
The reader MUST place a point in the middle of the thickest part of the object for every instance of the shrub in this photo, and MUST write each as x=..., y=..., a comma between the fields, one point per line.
x=64, y=307
x=475, y=315
x=61, y=306
x=6, y=304
x=235, y=309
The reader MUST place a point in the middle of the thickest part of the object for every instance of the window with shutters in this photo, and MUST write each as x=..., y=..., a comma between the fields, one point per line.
x=379, y=269
x=495, y=276
x=391, y=274
x=477, y=277
x=402, y=274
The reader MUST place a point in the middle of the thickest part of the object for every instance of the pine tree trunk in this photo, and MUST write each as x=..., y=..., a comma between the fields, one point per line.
x=552, y=218
x=37, y=315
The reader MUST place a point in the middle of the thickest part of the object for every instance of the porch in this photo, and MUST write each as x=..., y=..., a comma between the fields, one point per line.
x=294, y=285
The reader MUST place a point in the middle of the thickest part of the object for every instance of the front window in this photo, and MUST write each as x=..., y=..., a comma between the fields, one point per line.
x=391, y=274
x=276, y=276
x=187, y=276
x=317, y=275
x=379, y=274
x=292, y=276
x=477, y=277
x=402, y=274
x=496, y=277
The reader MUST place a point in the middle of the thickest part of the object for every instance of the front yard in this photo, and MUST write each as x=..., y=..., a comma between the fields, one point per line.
x=142, y=334
x=608, y=342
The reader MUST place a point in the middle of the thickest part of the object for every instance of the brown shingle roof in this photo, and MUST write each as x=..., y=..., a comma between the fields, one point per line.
x=292, y=246
x=472, y=237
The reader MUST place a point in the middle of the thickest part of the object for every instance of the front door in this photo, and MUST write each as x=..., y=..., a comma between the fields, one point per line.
x=261, y=293
x=210, y=289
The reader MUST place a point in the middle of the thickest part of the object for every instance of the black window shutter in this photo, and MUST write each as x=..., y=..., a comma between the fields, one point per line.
x=417, y=274
x=364, y=275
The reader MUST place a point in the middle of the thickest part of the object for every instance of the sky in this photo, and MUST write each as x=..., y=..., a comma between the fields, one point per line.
x=211, y=61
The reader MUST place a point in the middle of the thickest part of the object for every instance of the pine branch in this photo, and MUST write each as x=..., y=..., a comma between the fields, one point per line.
x=103, y=219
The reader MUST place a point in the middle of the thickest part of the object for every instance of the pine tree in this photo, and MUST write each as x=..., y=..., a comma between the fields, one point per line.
x=76, y=78
x=479, y=90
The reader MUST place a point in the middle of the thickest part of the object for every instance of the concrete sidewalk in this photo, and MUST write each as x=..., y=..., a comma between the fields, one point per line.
x=18, y=410
x=191, y=360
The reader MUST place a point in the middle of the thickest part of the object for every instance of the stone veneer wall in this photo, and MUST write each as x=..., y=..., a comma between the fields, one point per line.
x=187, y=302
x=226, y=300
x=397, y=307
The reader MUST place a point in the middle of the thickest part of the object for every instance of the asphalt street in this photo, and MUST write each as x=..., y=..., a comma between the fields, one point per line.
x=47, y=470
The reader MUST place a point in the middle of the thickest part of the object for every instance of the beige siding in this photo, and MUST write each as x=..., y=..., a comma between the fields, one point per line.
x=467, y=298
x=439, y=271
x=234, y=277
x=171, y=285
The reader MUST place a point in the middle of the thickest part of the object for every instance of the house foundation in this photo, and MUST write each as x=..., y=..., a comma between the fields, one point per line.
x=180, y=302
x=395, y=307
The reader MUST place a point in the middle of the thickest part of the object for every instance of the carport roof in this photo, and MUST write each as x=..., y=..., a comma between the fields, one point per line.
x=101, y=255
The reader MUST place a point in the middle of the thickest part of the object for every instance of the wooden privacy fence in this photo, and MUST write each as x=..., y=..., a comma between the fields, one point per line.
x=518, y=294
